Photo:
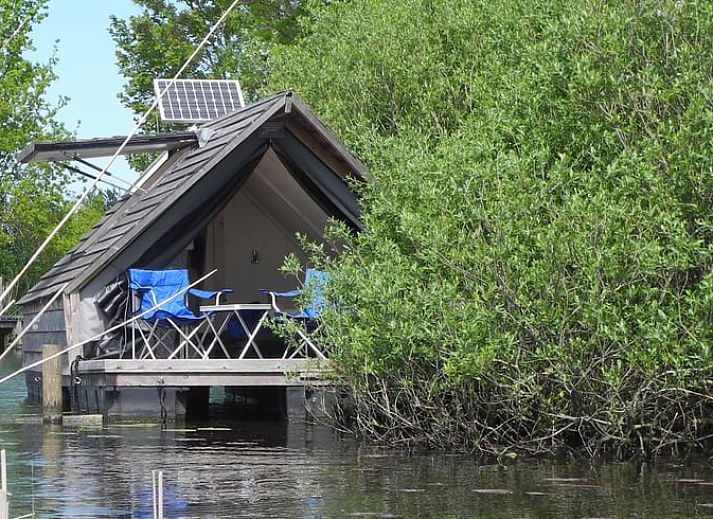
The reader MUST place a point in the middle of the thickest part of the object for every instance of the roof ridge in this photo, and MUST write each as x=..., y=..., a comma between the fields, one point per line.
x=251, y=106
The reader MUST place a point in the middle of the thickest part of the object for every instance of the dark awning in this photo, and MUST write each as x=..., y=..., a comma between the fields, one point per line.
x=105, y=147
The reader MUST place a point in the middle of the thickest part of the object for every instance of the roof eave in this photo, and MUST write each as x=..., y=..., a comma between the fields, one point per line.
x=296, y=106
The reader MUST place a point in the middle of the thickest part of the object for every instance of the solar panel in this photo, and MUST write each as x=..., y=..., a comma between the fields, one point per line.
x=198, y=100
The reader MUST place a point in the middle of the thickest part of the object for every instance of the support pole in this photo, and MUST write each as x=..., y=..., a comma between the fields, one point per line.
x=157, y=485
x=52, y=384
x=4, y=499
x=160, y=494
x=153, y=495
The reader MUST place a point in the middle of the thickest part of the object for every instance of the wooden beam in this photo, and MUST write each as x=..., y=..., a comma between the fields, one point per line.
x=199, y=380
x=210, y=372
x=203, y=365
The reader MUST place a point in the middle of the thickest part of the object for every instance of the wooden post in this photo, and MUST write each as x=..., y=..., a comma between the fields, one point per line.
x=52, y=384
x=4, y=500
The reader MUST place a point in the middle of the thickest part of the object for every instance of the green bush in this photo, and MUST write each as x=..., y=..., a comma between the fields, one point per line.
x=536, y=273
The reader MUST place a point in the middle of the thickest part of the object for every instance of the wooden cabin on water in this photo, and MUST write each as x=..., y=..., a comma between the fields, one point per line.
x=232, y=195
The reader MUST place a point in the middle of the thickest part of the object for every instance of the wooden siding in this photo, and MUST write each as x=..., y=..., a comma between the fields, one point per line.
x=212, y=372
x=49, y=329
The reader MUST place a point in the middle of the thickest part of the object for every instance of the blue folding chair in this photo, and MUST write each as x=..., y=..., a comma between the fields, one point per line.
x=308, y=316
x=160, y=324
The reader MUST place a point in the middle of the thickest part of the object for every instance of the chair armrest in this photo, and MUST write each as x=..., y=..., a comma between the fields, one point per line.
x=208, y=294
x=290, y=293
x=274, y=295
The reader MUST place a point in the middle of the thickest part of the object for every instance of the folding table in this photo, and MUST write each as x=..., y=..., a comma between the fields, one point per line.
x=214, y=314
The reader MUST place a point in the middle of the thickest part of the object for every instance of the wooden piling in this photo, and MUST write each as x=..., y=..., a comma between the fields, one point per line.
x=52, y=384
x=154, y=502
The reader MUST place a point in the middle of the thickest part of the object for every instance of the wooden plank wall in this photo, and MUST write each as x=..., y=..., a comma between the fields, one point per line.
x=50, y=329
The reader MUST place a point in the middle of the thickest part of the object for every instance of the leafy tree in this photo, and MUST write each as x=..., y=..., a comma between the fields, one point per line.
x=32, y=198
x=158, y=41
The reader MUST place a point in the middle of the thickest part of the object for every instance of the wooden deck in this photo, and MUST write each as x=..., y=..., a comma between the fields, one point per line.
x=203, y=372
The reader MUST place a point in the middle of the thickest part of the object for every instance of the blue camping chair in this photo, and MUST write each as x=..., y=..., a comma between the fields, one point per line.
x=308, y=316
x=162, y=324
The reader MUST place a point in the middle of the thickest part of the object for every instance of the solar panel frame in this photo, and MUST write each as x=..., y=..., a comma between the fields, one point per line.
x=198, y=100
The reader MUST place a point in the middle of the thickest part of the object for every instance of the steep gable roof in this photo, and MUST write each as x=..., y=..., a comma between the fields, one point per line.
x=135, y=213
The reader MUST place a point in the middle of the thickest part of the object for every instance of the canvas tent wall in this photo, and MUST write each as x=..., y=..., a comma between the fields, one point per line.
x=252, y=234
x=264, y=173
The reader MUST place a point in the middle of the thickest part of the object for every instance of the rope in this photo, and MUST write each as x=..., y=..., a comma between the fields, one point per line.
x=138, y=125
x=110, y=330
x=9, y=305
x=162, y=403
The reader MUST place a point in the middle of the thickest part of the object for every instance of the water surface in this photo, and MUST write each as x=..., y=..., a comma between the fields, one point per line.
x=267, y=469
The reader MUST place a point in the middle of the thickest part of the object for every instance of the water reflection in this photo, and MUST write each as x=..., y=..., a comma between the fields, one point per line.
x=266, y=469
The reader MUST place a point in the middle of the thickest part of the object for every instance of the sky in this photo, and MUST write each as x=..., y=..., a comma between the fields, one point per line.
x=87, y=70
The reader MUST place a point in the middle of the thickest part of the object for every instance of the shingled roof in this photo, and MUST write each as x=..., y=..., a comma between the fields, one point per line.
x=127, y=219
